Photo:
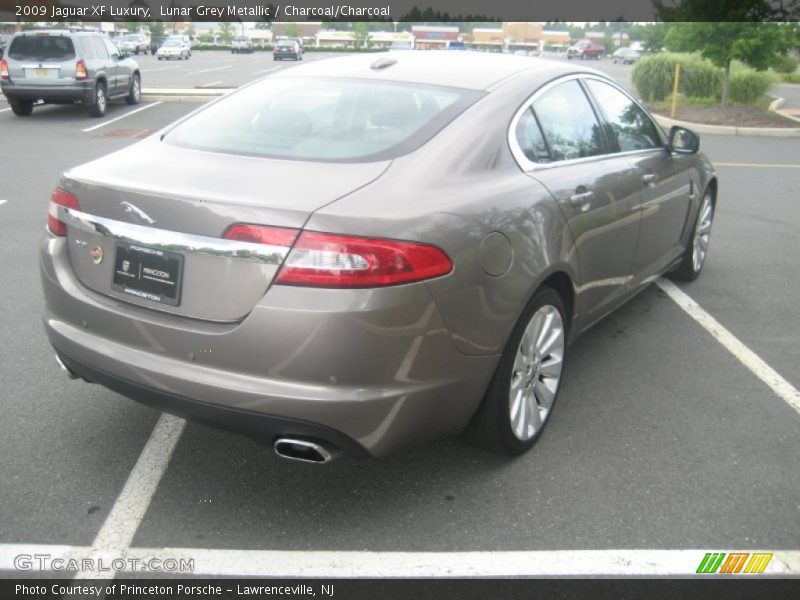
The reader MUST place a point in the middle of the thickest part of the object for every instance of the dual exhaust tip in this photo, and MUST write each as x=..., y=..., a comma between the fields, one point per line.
x=304, y=450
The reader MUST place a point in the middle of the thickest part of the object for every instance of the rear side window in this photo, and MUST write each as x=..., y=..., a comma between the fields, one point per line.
x=631, y=128
x=568, y=122
x=323, y=119
x=87, y=47
x=530, y=138
x=100, y=48
x=41, y=48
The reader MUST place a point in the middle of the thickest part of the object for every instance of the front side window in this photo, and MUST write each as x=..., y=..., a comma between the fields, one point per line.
x=112, y=48
x=323, y=119
x=568, y=122
x=630, y=126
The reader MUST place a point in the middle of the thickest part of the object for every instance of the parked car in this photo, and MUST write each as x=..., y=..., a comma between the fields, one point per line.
x=462, y=219
x=586, y=49
x=287, y=49
x=626, y=56
x=133, y=43
x=62, y=67
x=174, y=48
x=155, y=43
x=242, y=44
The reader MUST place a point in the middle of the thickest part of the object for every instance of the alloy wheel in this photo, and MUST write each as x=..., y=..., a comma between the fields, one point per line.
x=536, y=372
x=702, y=233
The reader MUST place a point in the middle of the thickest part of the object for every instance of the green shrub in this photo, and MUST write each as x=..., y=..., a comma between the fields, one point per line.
x=786, y=64
x=748, y=86
x=652, y=76
x=700, y=79
x=791, y=77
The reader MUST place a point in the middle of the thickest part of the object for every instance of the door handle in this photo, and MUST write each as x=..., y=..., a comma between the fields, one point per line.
x=649, y=178
x=582, y=200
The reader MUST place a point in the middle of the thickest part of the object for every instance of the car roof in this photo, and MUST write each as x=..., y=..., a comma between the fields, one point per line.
x=468, y=70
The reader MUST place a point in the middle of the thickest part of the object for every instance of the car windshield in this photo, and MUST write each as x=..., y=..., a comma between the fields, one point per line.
x=41, y=47
x=323, y=119
x=286, y=44
x=172, y=43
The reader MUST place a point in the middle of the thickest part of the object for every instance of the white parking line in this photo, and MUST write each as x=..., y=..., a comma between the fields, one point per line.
x=747, y=357
x=210, y=70
x=3, y=202
x=129, y=509
x=4, y=109
x=128, y=114
x=210, y=84
x=267, y=70
x=277, y=563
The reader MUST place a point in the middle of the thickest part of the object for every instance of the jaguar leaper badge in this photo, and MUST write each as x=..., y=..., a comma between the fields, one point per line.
x=97, y=254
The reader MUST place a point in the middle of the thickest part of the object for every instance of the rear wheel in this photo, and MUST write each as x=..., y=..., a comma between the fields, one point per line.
x=697, y=249
x=100, y=106
x=22, y=108
x=135, y=94
x=522, y=393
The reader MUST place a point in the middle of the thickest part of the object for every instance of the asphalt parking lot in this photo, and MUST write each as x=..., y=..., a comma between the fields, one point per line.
x=662, y=440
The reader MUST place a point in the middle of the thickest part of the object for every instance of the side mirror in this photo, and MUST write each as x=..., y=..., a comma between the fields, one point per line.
x=683, y=141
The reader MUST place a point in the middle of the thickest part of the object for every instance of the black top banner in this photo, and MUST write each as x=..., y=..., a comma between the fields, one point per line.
x=430, y=11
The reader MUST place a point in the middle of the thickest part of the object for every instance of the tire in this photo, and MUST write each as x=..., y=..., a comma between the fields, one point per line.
x=500, y=423
x=100, y=106
x=135, y=94
x=21, y=108
x=694, y=256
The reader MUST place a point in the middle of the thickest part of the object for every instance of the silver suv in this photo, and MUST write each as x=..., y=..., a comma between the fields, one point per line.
x=62, y=67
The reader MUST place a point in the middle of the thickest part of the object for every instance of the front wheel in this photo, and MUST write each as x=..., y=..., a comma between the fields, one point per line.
x=100, y=106
x=522, y=393
x=694, y=256
x=22, y=108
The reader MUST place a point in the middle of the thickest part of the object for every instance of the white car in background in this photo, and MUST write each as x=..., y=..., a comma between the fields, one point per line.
x=174, y=48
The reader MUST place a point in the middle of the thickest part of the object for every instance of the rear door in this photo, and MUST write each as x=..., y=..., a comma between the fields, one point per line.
x=663, y=181
x=117, y=78
x=563, y=145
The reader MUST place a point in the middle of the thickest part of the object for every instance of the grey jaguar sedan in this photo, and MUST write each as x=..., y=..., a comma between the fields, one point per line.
x=363, y=254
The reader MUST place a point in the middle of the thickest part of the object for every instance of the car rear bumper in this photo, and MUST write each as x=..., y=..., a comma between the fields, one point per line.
x=374, y=369
x=82, y=91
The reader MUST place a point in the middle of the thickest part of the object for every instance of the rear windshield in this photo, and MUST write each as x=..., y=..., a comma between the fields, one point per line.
x=286, y=44
x=333, y=120
x=41, y=47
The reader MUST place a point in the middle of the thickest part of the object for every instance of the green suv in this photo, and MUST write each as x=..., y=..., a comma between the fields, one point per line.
x=63, y=67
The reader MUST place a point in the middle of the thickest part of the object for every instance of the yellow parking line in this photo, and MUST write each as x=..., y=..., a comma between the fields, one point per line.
x=757, y=165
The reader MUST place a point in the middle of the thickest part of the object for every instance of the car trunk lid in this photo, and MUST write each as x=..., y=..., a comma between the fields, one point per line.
x=179, y=202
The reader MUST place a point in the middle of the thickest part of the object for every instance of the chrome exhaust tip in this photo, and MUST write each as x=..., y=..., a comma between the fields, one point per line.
x=65, y=368
x=303, y=450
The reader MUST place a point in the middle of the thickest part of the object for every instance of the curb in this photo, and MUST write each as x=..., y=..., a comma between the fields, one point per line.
x=184, y=95
x=728, y=130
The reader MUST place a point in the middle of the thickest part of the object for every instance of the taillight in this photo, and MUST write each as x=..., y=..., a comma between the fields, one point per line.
x=261, y=234
x=80, y=71
x=339, y=261
x=4, y=70
x=60, y=198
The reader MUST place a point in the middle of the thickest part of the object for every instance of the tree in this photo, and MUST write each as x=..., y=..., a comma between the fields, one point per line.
x=361, y=31
x=129, y=26
x=291, y=30
x=726, y=31
x=156, y=29
x=191, y=30
x=226, y=32
x=653, y=36
x=755, y=44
